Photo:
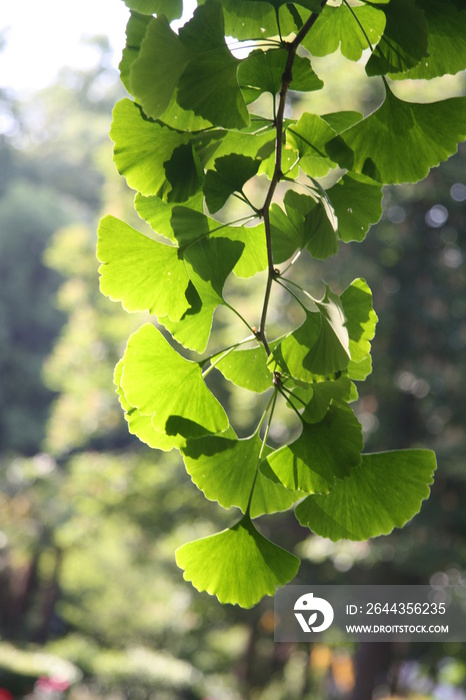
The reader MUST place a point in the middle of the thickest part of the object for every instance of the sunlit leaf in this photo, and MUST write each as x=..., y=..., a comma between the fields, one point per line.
x=158, y=213
x=238, y=565
x=309, y=137
x=249, y=243
x=446, y=34
x=224, y=469
x=246, y=368
x=140, y=272
x=262, y=71
x=141, y=425
x=320, y=394
x=158, y=68
x=324, y=452
x=152, y=375
x=308, y=223
x=404, y=41
x=230, y=174
x=383, y=492
x=403, y=140
x=249, y=19
x=361, y=319
x=142, y=147
x=357, y=202
x=135, y=33
x=172, y=9
x=350, y=29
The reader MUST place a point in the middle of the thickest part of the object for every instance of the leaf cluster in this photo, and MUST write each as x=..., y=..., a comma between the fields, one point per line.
x=189, y=143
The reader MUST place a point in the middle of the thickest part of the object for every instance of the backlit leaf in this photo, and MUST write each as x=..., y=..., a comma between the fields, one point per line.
x=446, y=55
x=383, y=492
x=347, y=29
x=230, y=174
x=238, y=565
x=309, y=137
x=404, y=41
x=357, y=202
x=324, y=452
x=140, y=272
x=402, y=139
x=141, y=425
x=142, y=147
x=135, y=33
x=172, y=9
x=152, y=376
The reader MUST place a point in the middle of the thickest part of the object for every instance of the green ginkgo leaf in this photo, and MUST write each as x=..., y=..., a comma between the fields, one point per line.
x=404, y=41
x=308, y=223
x=445, y=20
x=172, y=9
x=230, y=174
x=319, y=347
x=158, y=213
x=350, y=29
x=320, y=395
x=357, y=203
x=141, y=425
x=403, y=140
x=309, y=138
x=246, y=368
x=239, y=565
x=262, y=71
x=156, y=71
x=383, y=492
x=141, y=273
x=193, y=329
x=135, y=33
x=153, y=373
x=270, y=495
x=224, y=469
x=324, y=452
x=247, y=254
x=142, y=147
x=361, y=318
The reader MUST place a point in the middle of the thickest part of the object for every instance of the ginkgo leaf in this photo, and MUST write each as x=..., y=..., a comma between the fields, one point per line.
x=403, y=140
x=319, y=347
x=135, y=33
x=239, y=565
x=357, y=203
x=172, y=9
x=320, y=395
x=193, y=329
x=445, y=55
x=142, y=147
x=246, y=368
x=153, y=373
x=230, y=174
x=249, y=243
x=250, y=19
x=140, y=272
x=404, y=41
x=141, y=425
x=350, y=29
x=324, y=452
x=224, y=469
x=184, y=173
x=308, y=223
x=270, y=495
x=158, y=213
x=383, y=492
x=156, y=71
x=361, y=318
x=262, y=71
x=309, y=137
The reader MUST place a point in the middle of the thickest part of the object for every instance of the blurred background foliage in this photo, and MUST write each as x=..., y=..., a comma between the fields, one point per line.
x=91, y=602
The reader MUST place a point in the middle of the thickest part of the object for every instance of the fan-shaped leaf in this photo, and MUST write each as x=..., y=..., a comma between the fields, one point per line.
x=140, y=272
x=230, y=174
x=357, y=202
x=403, y=140
x=238, y=565
x=383, y=492
x=324, y=452
x=152, y=376
x=246, y=368
x=351, y=29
